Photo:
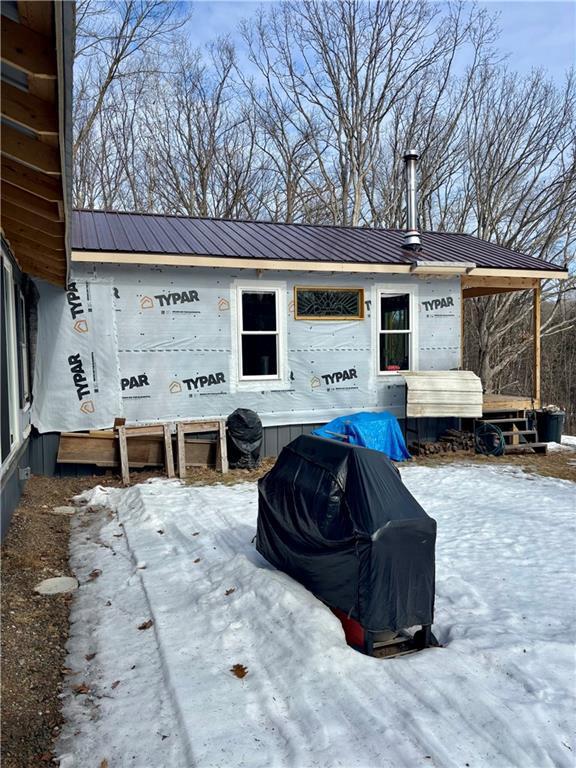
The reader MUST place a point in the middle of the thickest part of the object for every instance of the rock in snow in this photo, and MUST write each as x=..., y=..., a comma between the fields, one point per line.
x=56, y=585
x=499, y=694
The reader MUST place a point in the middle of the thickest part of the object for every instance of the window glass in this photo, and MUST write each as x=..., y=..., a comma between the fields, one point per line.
x=258, y=311
x=395, y=312
x=22, y=338
x=259, y=354
x=259, y=334
x=394, y=351
x=331, y=303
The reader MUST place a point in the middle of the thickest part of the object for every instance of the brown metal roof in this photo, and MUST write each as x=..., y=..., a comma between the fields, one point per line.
x=113, y=232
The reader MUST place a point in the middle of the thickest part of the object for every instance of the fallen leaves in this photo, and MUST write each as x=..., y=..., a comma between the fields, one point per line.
x=229, y=591
x=95, y=574
x=197, y=533
x=146, y=624
x=104, y=763
x=115, y=684
x=197, y=560
x=90, y=656
x=239, y=670
x=81, y=688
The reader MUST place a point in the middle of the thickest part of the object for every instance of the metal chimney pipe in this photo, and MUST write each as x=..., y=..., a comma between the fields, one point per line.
x=412, y=240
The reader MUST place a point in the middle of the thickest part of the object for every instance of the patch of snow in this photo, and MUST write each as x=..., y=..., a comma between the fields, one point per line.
x=500, y=693
x=568, y=444
x=64, y=510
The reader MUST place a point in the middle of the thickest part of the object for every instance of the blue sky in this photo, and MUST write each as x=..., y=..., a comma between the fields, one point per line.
x=535, y=34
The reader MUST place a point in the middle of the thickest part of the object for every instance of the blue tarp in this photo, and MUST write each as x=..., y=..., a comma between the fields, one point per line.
x=379, y=431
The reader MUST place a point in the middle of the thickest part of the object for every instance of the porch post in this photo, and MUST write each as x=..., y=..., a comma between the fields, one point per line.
x=537, y=347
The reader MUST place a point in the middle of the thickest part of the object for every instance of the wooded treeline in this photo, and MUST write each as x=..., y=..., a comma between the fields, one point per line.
x=304, y=117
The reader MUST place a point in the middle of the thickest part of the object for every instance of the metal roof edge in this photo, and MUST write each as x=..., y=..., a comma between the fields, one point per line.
x=279, y=265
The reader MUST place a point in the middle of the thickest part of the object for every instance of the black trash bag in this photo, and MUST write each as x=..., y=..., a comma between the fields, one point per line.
x=338, y=519
x=244, y=438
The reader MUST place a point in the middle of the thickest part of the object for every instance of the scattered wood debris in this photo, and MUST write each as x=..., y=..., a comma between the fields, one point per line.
x=146, y=624
x=449, y=442
x=239, y=670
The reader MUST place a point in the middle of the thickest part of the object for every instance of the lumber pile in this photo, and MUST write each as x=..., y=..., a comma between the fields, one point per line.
x=198, y=444
x=449, y=442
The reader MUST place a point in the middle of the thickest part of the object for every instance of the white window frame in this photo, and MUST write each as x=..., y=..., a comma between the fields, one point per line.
x=23, y=347
x=12, y=359
x=412, y=332
x=278, y=379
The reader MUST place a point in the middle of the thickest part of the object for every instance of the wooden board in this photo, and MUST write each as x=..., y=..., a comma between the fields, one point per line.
x=473, y=287
x=440, y=394
x=444, y=398
x=78, y=448
x=445, y=411
x=537, y=346
x=498, y=403
x=200, y=453
x=101, y=449
x=184, y=428
x=162, y=431
x=445, y=385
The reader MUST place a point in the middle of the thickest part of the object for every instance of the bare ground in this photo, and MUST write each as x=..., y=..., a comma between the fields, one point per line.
x=35, y=628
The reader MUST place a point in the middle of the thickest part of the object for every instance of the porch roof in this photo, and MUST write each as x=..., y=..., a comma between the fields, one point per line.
x=131, y=236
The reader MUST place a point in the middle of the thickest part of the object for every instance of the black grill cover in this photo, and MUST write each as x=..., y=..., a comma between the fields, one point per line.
x=244, y=438
x=338, y=519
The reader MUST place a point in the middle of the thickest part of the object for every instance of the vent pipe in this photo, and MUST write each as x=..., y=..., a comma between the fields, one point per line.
x=412, y=240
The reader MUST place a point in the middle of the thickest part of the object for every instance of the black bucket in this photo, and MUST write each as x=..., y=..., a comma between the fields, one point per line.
x=549, y=425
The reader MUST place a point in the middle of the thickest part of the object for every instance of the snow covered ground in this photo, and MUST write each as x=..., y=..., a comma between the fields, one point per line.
x=499, y=693
x=568, y=444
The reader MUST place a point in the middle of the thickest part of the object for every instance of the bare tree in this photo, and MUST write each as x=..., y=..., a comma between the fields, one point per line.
x=114, y=40
x=520, y=192
x=342, y=67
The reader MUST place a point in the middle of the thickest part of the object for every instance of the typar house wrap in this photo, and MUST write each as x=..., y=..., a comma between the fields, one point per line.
x=338, y=519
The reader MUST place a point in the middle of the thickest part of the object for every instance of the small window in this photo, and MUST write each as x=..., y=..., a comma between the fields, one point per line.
x=395, y=332
x=328, y=303
x=259, y=334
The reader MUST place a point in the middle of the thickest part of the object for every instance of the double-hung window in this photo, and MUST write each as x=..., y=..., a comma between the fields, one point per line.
x=260, y=342
x=395, y=332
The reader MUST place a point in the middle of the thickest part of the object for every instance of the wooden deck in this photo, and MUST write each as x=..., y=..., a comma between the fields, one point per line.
x=494, y=403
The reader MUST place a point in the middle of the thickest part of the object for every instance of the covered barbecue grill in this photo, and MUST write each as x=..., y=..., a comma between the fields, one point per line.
x=338, y=519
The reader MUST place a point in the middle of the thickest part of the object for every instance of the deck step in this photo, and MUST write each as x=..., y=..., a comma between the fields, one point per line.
x=527, y=448
x=518, y=432
x=504, y=421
